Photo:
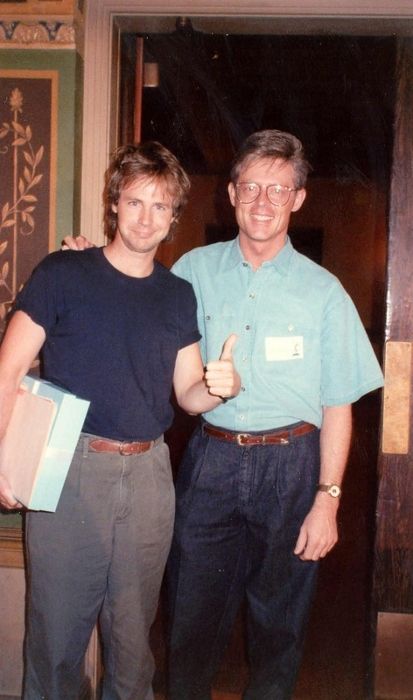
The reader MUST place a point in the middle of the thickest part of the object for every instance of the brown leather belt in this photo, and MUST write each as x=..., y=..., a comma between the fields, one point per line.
x=277, y=437
x=124, y=448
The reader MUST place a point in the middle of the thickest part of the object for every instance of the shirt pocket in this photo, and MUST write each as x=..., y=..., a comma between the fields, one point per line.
x=289, y=351
x=216, y=324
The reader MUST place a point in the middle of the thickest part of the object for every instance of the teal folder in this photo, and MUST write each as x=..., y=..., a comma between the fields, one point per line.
x=38, y=446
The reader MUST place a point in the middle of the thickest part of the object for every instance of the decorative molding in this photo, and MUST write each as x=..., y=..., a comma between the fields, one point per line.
x=38, y=35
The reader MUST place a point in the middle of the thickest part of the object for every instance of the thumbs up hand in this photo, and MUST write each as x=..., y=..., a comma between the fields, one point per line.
x=221, y=377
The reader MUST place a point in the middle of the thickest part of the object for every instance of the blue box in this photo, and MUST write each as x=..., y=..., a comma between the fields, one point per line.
x=40, y=485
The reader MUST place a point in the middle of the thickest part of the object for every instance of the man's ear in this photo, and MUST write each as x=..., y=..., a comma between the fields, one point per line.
x=114, y=208
x=231, y=193
x=299, y=199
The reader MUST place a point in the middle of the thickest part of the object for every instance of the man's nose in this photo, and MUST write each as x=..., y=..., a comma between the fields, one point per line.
x=144, y=215
x=262, y=197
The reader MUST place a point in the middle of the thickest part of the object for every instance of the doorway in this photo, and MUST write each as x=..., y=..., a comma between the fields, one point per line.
x=336, y=92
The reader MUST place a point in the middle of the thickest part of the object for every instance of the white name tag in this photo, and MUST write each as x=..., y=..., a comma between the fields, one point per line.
x=280, y=349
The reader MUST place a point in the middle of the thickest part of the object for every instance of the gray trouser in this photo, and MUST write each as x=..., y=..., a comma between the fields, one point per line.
x=103, y=554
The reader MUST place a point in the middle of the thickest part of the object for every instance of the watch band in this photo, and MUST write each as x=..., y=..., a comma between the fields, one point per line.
x=332, y=489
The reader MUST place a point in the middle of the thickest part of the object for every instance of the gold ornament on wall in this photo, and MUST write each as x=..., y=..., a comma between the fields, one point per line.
x=27, y=177
x=17, y=216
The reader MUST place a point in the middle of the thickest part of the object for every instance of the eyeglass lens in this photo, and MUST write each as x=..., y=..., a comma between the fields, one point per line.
x=248, y=192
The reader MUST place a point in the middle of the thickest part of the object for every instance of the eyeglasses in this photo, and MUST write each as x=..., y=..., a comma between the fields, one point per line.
x=247, y=192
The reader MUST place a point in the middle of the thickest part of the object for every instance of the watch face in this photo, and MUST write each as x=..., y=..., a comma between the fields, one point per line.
x=334, y=491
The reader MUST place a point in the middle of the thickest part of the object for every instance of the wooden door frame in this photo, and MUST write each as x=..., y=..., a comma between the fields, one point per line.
x=102, y=28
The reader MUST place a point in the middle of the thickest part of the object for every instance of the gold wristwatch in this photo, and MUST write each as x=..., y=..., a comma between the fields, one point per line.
x=332, y=489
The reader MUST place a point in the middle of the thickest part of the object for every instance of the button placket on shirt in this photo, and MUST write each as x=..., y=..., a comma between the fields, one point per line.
x=254, y=282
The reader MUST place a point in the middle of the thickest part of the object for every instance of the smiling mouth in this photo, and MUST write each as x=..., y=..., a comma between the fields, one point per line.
x=262, y=217
x=143, y=232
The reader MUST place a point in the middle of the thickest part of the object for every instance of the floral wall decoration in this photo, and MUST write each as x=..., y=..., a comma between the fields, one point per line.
x=27, y=176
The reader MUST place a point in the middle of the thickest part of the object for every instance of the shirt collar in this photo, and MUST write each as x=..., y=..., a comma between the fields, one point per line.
x=234, y=256
x=280, y=262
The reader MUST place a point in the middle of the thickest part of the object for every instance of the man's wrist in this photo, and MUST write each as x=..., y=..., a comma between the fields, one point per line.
x=333, y=490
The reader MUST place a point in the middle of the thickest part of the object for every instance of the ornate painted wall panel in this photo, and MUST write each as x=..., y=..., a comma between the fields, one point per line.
x=28, y=124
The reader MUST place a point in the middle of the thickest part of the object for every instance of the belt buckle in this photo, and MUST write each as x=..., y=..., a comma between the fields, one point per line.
x=123, y=449
x=240, y=437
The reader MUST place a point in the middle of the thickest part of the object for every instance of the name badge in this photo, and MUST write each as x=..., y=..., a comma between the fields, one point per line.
x=281, y=349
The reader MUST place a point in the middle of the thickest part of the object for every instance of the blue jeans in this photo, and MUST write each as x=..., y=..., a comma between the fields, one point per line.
x=239, y=511
x=102, y=554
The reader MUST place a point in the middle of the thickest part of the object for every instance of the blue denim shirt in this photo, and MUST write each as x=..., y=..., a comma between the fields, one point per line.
x=301, y=344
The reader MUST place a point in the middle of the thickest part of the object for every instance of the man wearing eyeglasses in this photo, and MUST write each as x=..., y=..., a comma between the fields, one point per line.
x=258, y=490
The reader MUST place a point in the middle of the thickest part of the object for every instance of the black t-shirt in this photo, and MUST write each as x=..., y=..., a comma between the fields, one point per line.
x=111, y=338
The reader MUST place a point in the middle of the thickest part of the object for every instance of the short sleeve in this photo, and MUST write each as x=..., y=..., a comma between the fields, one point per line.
x=38, y=298
x=187, y=316
x=350, y=368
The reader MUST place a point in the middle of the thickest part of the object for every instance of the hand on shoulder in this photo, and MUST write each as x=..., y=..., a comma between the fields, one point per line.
x=76, y=243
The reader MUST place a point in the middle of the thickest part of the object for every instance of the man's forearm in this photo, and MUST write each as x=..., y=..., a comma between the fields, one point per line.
x=335, y=441
x=318, y=533
x=8, y=393
x=20, y=346
x=197, y=399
